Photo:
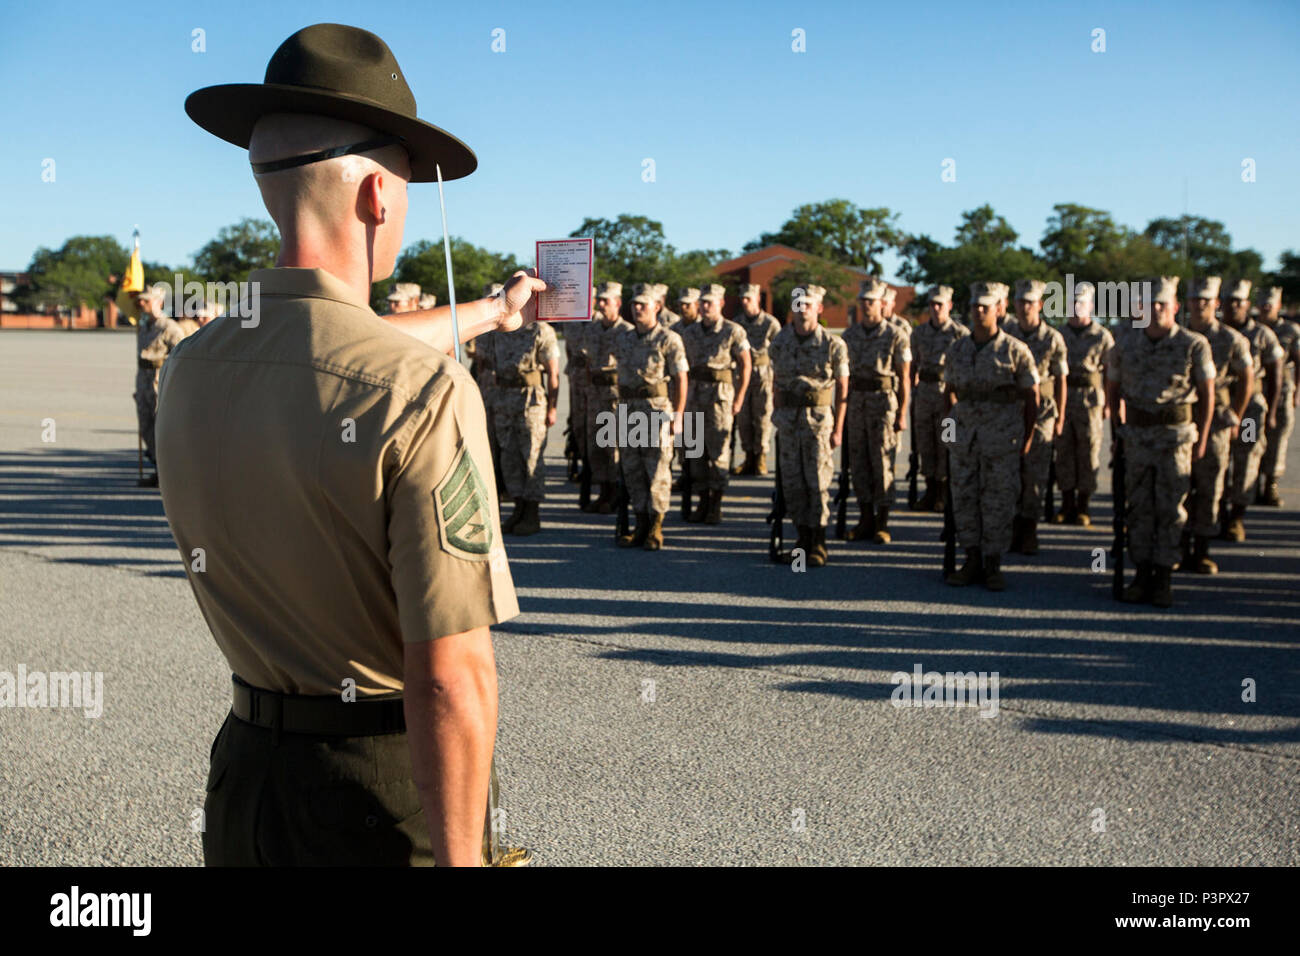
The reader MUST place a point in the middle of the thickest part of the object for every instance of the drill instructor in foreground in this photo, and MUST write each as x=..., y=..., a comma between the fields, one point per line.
x=327, y=478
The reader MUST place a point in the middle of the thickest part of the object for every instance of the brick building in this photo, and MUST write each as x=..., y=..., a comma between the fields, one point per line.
x=764, y=266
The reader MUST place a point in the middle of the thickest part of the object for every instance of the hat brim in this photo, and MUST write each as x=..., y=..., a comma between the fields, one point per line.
x=231, y=110
x=987, y=300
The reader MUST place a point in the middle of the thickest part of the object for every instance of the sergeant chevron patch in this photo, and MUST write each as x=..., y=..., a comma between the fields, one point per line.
x=464, y=510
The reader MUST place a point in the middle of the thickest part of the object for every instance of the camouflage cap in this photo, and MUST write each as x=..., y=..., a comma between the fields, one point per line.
x=689, y=294
x=751, y=289
x=1030, y=290
x=643, y=292
x=1085, y=290
x=609, y=290
x=941, y=293
x=872, y=289
x=404, y=290
x=1001, y=290
x=985, y=293
x=808, y=292
x=1206, y=287
x=1269, y=297
x=428, y=301
x=891, y=294
x=714, y=291
x=1241, y=290
x=158, y=290
x=1163, y=289
x=660, y=291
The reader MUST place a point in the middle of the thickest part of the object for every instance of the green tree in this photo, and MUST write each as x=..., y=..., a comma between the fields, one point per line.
x=632, y=249
x=839, y=231
x=1288, y=276
x=1203, y=244
x=237, y=250
x=425, y=263
x=814, y=271
x=1076, y=236
x=75, y=274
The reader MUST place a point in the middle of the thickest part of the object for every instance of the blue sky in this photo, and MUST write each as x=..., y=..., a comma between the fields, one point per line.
x=741, y=128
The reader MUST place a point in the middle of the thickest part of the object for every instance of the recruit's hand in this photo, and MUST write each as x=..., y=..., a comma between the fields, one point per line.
x=677, y=423
x=736, y=407
x=1029, y=442
x=1060, y=425
x=837, y=438
x=518, y=301
x=1272, y=421
x=900, y=422
x=550, y=416
x=1199, y=451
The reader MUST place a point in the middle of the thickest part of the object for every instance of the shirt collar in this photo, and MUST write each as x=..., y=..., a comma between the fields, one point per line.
x=305, y=283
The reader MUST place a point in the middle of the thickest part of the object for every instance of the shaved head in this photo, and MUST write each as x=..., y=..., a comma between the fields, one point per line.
x=354, y=206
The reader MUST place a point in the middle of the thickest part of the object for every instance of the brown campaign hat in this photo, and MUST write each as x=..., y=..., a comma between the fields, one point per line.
x=343, y=72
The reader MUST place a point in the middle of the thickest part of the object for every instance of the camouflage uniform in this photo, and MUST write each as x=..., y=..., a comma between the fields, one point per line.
x=602, y=394
x=710, y=392
x=575, y=369
x=646, y=361
x=1230, y=353
x=930, y=347
x=755, y=420
x=990, y=431
x=803, y=378
x=1048, y=349
x=876, y=354
x=1157, y=381
x=1078, y=450
x=154, y=340
x=1246, y=455
x=1273, y=464
x=519, y=361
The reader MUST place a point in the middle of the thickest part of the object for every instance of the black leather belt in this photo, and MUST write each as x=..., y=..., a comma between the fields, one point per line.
x=329, y=716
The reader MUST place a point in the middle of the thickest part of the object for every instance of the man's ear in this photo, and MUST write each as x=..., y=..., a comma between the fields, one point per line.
x=372, y=197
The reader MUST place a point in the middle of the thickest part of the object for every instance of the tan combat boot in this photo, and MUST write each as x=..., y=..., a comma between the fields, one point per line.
x=969, y=572
x=1271, y=497
x=864, y=529
x=1083, y=518
x=1139, y=592
x=817, y=553
x=637, y=538
x=654, y=539
x=804, y=543
x=714, y=514
x=530, y=522
x=1200, y=561
x=1069, y=513
x=760, y=465
x=928, y=499
x=1235, y=529
x=1162, y=592
x=993, y=579
x=701, y=507
x=882, y=526
x=1029, y=537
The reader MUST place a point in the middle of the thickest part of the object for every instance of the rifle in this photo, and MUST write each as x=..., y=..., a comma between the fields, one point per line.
x=1119, y=491
x=842, y=494
x=584, y=484
x=913, y=460
x=776, y=517
x=571, y=451
x=1049, y=506
x=686, y=485
x=949, y=533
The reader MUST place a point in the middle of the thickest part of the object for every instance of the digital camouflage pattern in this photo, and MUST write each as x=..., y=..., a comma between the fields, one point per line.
x=715, y=346
x=987, y=437
x=1273, y=464
x=647, y=359
x=1078, y=450
x=1048, y=348
x=812, y=363
x=876, y=353
x=929, y=353
x=1247, y=455
x=1231, y=355
x=520, y=410
x=601, y=396
x=754, y=423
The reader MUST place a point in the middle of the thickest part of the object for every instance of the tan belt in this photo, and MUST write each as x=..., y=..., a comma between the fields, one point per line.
x=703, y=373
x=657, y=390
x=930, y=375
x=1083, y=379
x=761, y=358
x=882, y=383
x=812, y=398
x=151, y=363
x=1222, y=397
x=605, y=377
x=1163, y=415
x=998, y=396
x=519, y=380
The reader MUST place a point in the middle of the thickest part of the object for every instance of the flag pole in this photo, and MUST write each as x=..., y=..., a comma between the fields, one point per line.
x=451, y=284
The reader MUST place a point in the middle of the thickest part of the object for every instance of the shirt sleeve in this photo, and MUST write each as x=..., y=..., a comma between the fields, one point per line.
x=1025, y=368
x=1202, y=361
x=1239, y=359
x=840, y=358
x=448, y=565
x=1114, y=359
x=675, y=354
x=739, y=343
x=1272, y=350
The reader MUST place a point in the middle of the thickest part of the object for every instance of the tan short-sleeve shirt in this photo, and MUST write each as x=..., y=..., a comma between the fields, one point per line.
x=334, y=473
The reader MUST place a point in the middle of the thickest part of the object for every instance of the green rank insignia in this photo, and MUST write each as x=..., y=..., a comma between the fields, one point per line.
x=464, y=510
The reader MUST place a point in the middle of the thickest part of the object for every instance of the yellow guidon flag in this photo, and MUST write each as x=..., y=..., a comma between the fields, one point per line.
x=133, y=280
